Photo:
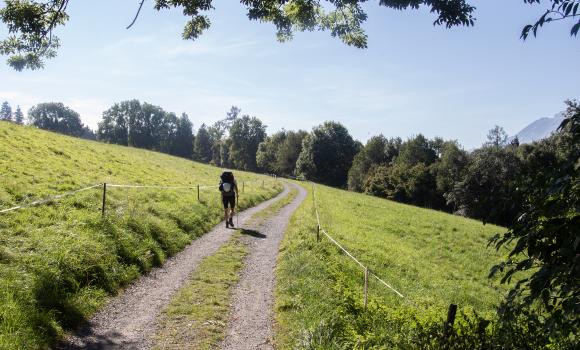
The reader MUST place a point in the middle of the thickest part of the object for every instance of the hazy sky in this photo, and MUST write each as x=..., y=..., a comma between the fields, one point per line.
x=414, y=77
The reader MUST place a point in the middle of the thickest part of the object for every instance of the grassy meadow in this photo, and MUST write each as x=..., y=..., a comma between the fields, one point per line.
x=432, y=258
x=60, y=261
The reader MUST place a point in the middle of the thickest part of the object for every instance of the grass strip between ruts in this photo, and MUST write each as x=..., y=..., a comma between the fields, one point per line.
x=197, y=316
x=274, y=208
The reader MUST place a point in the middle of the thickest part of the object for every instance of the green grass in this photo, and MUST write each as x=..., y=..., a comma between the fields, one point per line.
x=59, y=262
x=198, y=314
x=432, y=258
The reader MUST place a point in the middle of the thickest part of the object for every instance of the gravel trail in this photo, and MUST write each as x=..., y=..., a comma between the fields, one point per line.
x=251, y=319
x=128, y=320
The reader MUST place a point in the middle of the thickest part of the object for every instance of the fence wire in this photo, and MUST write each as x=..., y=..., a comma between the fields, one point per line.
x=70, y=193
x=48, y=199
x=349, y=254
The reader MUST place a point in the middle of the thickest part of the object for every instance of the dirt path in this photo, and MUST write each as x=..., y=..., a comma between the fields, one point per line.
x=250, y=325
x=128, y=321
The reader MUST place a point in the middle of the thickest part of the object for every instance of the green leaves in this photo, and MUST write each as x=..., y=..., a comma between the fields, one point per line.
x=195, y=27
x=560, y=10
x=547, y=234
x=575, y=28
x=30, y=24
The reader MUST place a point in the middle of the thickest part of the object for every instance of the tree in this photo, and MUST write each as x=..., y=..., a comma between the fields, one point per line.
x=496, y=137
x=267, y=154
x=413, y=184
x=487, y=190
x=6, y=112
x=31, y=23
x=246, y=134
x=327, y=154
x=18, y=116
x=56, y=117
x=417, y=150
x=278, y=153
x=450, y=169
x=202, y=151
x=183, y=145
x=372, y=154
x=114, y=128
x=547, y=236
x=225, y=146
x=88, y=134
x=144, y=125
x=289, y=151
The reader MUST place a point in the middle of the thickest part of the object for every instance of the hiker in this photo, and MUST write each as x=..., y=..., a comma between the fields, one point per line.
x=229, y=189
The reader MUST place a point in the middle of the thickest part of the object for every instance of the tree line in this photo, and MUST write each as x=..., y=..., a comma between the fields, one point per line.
x=52, y=116
x=433, y=173
x=143, y=125
x=6, y=114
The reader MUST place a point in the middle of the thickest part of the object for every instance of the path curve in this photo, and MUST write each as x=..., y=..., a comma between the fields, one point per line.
x=128, y=320
x=251, y=319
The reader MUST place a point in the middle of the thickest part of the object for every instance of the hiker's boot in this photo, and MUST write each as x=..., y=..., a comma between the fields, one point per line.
x=231, y=222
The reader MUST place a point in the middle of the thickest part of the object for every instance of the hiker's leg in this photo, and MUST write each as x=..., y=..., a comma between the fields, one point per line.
x=231, y=205
x=225, y=203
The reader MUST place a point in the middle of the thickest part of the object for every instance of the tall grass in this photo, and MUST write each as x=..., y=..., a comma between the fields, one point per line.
x=59, y=262
x=434, y=259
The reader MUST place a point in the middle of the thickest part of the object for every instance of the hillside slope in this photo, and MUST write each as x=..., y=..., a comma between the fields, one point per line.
x=60, y=261
x=540, y=129
x=432, y=258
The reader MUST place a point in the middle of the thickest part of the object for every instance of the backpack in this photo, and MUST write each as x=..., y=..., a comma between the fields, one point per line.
x=227, y=183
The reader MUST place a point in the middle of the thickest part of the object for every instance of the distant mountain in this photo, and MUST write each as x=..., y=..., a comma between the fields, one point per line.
x=540, y=129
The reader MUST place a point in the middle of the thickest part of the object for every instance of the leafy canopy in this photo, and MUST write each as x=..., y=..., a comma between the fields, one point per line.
x=546, y=236
x=56, y=117
x=30, y=23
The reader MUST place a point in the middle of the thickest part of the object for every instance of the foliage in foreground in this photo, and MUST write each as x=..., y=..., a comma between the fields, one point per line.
x=31, y=23
x=59, y=262
x=547, y=237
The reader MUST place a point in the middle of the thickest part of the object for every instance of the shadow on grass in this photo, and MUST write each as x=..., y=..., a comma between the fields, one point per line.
x=252, y=233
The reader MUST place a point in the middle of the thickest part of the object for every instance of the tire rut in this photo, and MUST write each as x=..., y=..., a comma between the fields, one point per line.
x=251, y=319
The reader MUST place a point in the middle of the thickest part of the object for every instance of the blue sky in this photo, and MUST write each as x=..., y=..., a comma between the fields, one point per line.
x=414, y=77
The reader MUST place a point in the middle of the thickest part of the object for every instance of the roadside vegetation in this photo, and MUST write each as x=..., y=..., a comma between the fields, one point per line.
x=60, y=261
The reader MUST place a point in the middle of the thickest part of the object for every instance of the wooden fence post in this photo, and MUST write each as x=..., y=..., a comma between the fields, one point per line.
x=317, y=233
x=450, y=320
x=366, y=288
x=262, y=183
x=104, y=199
x=243, y=186
x=198, y=193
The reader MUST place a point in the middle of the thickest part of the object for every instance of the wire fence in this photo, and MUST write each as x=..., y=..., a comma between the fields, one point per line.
x=104, y=186
x=365, y=268
x=452, y=310
x=48, y=199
